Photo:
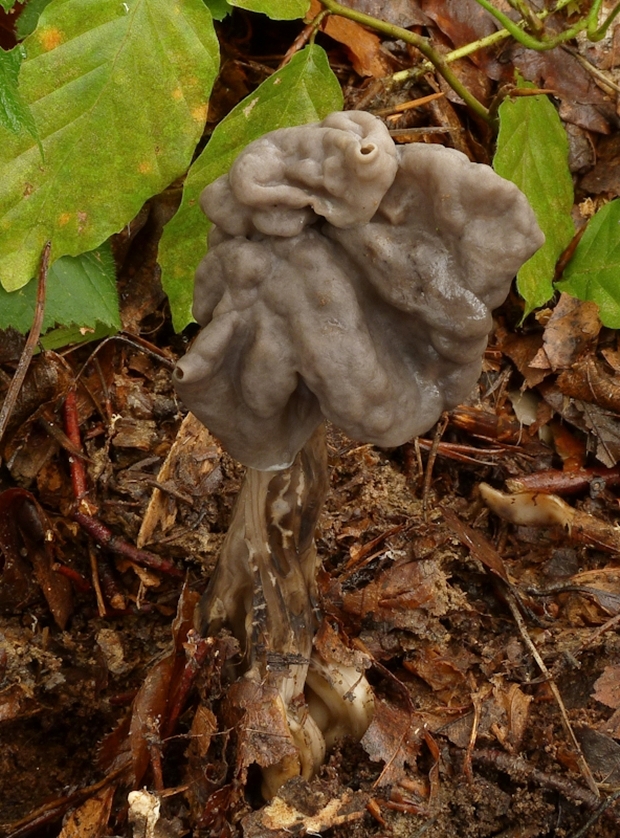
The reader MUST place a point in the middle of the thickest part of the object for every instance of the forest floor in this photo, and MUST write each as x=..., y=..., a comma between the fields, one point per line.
x=491, y=634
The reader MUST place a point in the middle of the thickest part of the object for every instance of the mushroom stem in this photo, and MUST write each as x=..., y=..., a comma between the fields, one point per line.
x=264, y=588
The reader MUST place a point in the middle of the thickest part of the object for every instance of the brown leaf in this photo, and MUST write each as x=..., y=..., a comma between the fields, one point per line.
x=605, y=176
x=25, y=530
x=403, y=13
x=589, y=380
x=12, y=701
x=601, y=753
x=582, y=101
x=607, y=687
x=362, y=45
x=597, y=596
x=394, y=737
x=264, y=737
x=403, y=595
x=148, y=712
x=464, y=21
x=517, y=707
x=522, y=349
x=437, y=669
x=89, y=820
x=192, y=469
x=601, y=423
x=479, y=545
x=573, y=326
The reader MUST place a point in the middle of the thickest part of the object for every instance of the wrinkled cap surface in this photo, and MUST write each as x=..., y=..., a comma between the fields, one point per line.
x=347, y=279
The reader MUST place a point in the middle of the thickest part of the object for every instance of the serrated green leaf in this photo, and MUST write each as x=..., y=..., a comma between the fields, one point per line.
x=81, y=291
x=305, y=90
x=219, y=8
x=119, y=92
x=593, y=273
x=15, y=115
x=7, y=5
x=275, y=9
x=29, y=17
x=532, y=152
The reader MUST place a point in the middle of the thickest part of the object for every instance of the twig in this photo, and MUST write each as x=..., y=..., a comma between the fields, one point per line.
x=568, y=729
x=33, y=337
x=519, y=769
x=55, y=809
x=101, y=607
x=432, y=456
x=597, y=814
x=106, y=537
x=408, y=106
x=78, y=472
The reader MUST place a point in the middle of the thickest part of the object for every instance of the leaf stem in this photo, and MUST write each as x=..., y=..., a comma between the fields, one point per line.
x=422, y=44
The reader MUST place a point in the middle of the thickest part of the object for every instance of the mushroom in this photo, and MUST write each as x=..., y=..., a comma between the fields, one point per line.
x=346, y=279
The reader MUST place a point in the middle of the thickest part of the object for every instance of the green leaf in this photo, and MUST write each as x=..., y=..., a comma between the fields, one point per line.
x=81, y=291
x=7, y=5
x=275, y=9
x=70, y=335
x=305, y=90
x=532, y=152
x=219, y=8
x=15, y=115
x=29, y=17
x=594, y=271
x=119, y=93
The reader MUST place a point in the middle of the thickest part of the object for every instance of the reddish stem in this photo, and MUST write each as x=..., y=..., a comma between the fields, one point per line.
x=76, y=578
x=196, y=650
x=106, y=537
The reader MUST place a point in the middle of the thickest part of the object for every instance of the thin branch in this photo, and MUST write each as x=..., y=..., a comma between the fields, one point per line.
x=568, y=728
x=33, y=338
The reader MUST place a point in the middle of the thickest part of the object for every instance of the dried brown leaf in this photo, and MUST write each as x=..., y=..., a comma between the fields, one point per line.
x=602, y=754
x=607, y=687
x=263, y=735
x=394, y=737
x=148, y=713
x=573, y=326
x=582, y=101
x=90, y=820
x=362, y=45
x=403, y=595
x=193, y=458
x=25, y=531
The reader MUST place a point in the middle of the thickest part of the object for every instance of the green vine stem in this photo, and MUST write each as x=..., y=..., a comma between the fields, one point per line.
x=542, y=43
x=474, y=46
x=422, y=44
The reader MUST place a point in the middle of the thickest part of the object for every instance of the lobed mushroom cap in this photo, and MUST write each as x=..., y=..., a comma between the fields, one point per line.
x=347, y=279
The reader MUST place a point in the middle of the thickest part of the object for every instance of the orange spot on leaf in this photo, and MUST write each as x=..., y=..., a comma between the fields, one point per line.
x=199, y=114
x=145, y=167
x=51, y=37
x=64, y=218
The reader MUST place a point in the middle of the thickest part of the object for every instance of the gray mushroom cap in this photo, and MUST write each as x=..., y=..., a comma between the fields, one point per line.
x=347, y=279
